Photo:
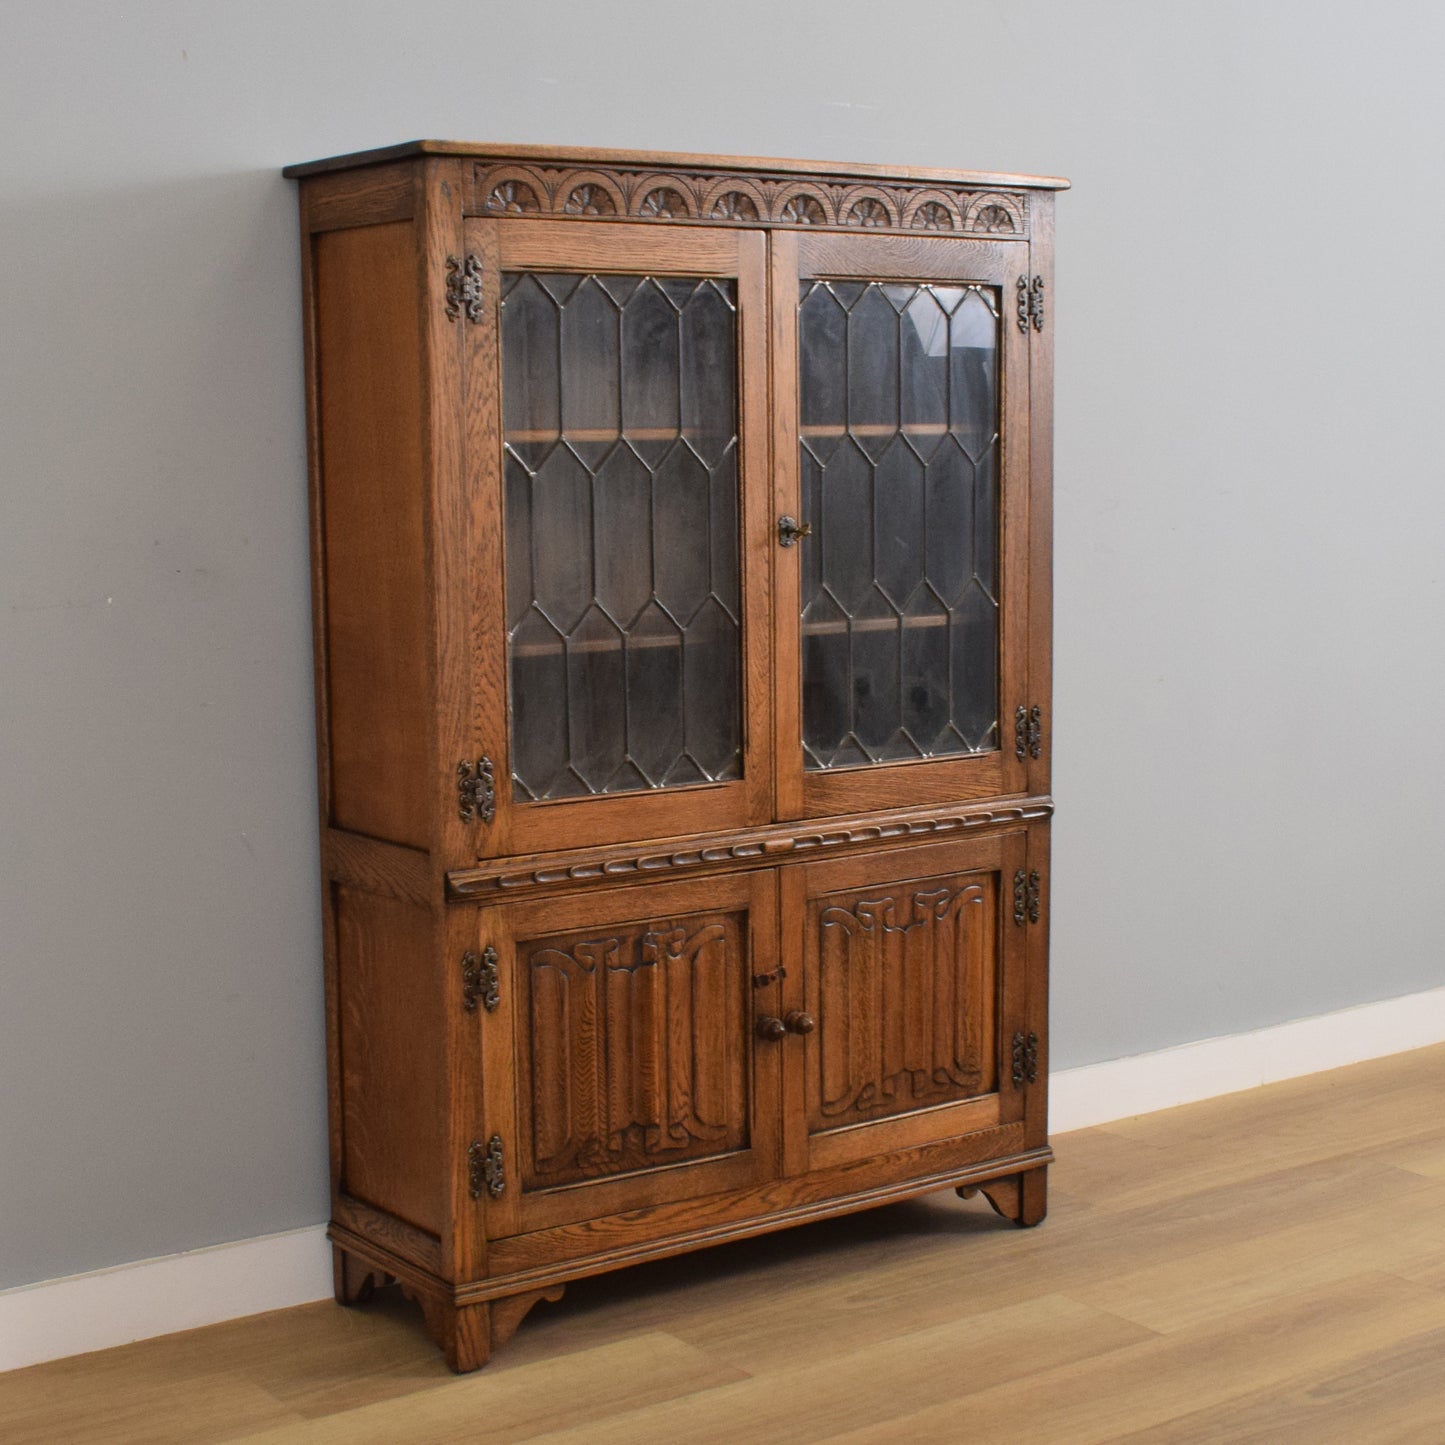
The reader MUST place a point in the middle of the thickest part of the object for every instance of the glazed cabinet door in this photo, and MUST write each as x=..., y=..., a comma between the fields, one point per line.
x=623, y=1061
x=911, y=984
x=901, y=451
x=617, y=440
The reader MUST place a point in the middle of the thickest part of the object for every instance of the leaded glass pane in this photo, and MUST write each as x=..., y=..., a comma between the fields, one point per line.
x=899, y=424
x=620, y=519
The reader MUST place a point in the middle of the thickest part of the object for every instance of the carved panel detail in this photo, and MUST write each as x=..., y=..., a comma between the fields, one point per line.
x=871, y=211
x=511, y=189
x=513, y=198
x=636, y=1041
x=906, y=998
x=733, y=206
x=928, y=214
x=993, y=214
x=664, y=204
x=590, y=199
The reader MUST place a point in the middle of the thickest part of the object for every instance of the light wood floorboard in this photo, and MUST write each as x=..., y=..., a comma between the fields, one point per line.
x=1267, y=1267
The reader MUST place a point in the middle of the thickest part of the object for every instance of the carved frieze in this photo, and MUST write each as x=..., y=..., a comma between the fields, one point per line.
x=782, y=843
x=758, y=199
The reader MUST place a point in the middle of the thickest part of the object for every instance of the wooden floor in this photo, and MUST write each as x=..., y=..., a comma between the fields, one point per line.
x=1264, y=1267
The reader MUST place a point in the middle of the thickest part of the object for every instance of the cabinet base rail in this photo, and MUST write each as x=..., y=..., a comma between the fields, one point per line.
x=469, y=1321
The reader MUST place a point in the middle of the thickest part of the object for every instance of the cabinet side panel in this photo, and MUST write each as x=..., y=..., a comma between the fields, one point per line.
x=392, y=1069
x=371, y=456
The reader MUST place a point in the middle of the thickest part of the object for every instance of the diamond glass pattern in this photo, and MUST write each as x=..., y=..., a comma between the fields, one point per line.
x=619, y=405
x=899, y=413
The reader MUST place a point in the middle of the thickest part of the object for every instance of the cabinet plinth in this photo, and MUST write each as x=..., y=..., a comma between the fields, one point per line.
x=681, y=580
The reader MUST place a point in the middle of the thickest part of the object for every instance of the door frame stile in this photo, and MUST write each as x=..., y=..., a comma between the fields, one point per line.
x=448, y=523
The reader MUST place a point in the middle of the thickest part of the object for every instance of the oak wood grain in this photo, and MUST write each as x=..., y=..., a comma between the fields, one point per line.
x=369, y=197
x=376, y=867
x=392, y=1059
x=375, y=587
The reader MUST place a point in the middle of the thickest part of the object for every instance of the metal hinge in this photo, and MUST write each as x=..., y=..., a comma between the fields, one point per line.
x=1026, y=1059
x=485, y=1169
x=476, y=791
x=1031, y=303
x=1026, y=897
x=464, y=287
x=480, y=983
x=1028, y=732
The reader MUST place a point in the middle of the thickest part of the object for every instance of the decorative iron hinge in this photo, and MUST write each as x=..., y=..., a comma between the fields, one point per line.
x=485, y=1169
x=1031, y=303
x=1026, y=1060
x=464, y=287
x=1028, y=732
x=1026, y=897
x=476, y=791
x=479, y=980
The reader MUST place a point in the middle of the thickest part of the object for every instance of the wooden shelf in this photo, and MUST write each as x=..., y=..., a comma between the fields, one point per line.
x=872, y=624
x=595, y=644
x=810, y=629
x=611, y=434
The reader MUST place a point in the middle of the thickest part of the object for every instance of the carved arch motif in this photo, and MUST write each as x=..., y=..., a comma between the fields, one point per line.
x=592, y=193
x=932, y=210
x=734, y=199
x=871, y=209
x=514, y=197
x=723, y=198
x=661, y=196
x=804, y=206
x=994, y=213
x=664, y=204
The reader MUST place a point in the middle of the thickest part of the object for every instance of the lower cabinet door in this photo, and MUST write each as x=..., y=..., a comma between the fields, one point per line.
x=634, y=1074
x=905, y=983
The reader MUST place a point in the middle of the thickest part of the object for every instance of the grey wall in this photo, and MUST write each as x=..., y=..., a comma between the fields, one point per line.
x=1250, y=513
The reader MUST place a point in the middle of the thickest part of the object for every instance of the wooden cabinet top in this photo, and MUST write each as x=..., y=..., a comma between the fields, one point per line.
x=569, y=157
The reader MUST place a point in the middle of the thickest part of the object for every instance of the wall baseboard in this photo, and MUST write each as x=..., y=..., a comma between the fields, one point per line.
x=83, y=1312
x=1120, y=1088
x=106, y=1307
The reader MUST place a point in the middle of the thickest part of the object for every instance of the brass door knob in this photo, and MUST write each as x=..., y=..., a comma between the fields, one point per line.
x=771, y=1028
x=798, y=1022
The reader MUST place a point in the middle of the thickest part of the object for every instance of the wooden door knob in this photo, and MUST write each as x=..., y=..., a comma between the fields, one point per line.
x=798, y=1022
x=771, y=1028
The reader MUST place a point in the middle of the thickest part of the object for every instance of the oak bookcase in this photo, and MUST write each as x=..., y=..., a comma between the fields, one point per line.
x=681, y=533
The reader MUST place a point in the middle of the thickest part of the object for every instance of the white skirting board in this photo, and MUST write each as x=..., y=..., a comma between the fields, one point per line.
x=106, y=1307
x=1121, y=1088
x=83, y=1312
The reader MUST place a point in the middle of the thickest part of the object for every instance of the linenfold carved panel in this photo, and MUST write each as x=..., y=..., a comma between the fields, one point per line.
x=637, y=1043
x=906, y=998
x=510, y=189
